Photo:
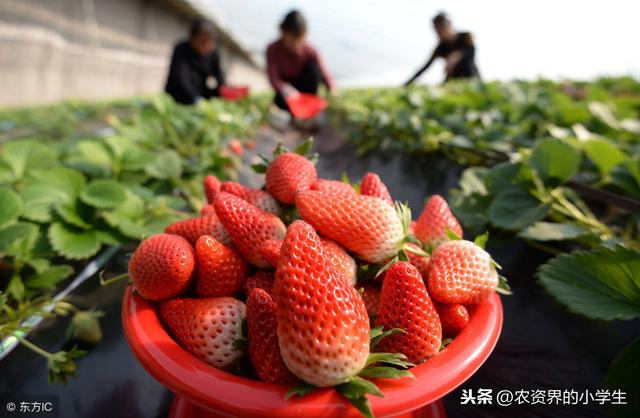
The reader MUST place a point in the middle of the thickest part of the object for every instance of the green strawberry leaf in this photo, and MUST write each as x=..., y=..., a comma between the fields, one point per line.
x=603, y=283
x=44, y=189
x=481, y=240
x=355, y=390
x=16, y=288
x=75, y=213
x=395, y=359
x=554, y=160
x=515, y=209
x=305, y=148
x=259, y=168
x=104, y=194
x=61, y=364
x=445, y=343
x=377, y=334
x=503, y=286
x=49, y=278
x=166, y=165
x=19, y=239
x=604, y=154
x=381, y=372
x=10, y=208
x=300, y=390
x=623, y=375
x=551, y=231
x=23, y=156
x=452, y=235
x=72, y=243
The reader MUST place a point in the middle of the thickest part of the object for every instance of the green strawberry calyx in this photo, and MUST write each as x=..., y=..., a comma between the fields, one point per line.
x=378, y=366
x=303, y=149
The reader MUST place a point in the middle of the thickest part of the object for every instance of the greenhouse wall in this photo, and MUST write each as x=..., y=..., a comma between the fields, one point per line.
x=58, y=49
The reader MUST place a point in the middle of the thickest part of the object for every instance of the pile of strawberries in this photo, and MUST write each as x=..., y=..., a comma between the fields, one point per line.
x=308, y=276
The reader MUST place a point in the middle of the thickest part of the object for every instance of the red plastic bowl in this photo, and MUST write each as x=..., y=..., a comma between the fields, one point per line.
x=234, y=92
x=229, y=395
x=305, y=105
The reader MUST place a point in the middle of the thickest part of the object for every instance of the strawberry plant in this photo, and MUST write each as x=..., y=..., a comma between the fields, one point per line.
x=65, y=199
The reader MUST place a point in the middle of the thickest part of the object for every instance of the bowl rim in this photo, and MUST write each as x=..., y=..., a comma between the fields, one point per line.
x=229, y=394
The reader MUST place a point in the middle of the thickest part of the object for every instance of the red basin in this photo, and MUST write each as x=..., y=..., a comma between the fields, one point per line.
x=305, y=105
x=233, y=93
x=205, y=388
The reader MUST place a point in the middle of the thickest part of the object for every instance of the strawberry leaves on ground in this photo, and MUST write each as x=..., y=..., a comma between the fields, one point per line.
x=601, y=284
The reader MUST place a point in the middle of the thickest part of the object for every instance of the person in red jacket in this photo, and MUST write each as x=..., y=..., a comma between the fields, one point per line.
x=294, y=66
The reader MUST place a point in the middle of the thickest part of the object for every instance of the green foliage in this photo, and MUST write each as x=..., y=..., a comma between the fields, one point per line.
x=602, y=284
x=67, y=191
x=623, y=375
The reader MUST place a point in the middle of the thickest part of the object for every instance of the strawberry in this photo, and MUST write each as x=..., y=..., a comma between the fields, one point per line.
x=435, y=219
x=263, y=200
x=370, y=293
x=454, y=317
x=206, y=328
x=323, y=328
x=256, y=197
x=333, y=186
x=264, y=351
x=364, y=225
x=211, y=187
x=288, y=174
x=270, y=251
x=248, y=226
x=420, y=262
x=461, y=272
x=344, y=264
x=262, y=279
x=412, y=228
x=372, y=185
x=221, y=270
x=405, y=304
x=207, y=209
x=235, y=146
x=194, y=228
x=233, y=187
x=162, y=266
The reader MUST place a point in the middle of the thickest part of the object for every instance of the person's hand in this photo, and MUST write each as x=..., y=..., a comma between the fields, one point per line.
x=289, y=91
x=452, y=60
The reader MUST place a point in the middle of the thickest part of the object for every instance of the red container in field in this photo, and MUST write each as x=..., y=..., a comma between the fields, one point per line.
x=305, y=105
x=233, y=93
x=204, y=391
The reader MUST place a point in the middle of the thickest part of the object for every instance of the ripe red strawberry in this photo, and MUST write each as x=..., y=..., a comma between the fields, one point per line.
x=420, y=262
x=333, y=186
x=405, y=304
x=323, y=327
x=262, y=279
x=248, y=226
x=365, y=225
x=221, y=270
x=211, y=187
x=270, y=251
x=370, y=293
x=454, y=317
x=194, y=228
x=207, y=328
x=288, y=174
x=207, y=209
x=162, y=266
x=256, y=197
x=372, y=185
x=434, y=220
x=344, y=264
x=263, y=200
x=264, y=351
x=235, y=146
x=233, y=187
x=461, y=272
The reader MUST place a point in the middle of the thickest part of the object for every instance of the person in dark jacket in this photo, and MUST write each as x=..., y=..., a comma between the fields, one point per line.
x=457, y=48
x=193, y=62
x=294, y=66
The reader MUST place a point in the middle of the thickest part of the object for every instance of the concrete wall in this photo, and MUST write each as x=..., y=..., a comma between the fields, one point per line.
x=57, y=49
